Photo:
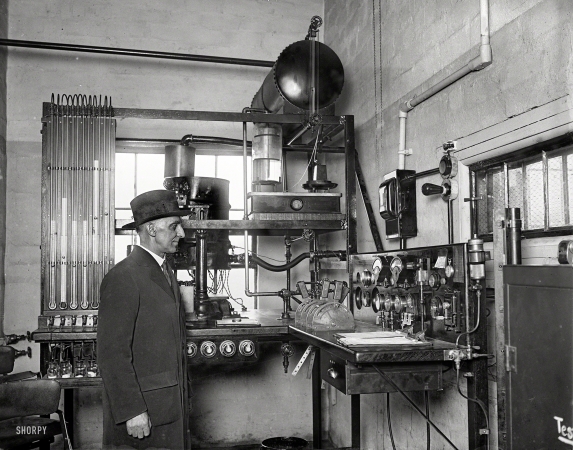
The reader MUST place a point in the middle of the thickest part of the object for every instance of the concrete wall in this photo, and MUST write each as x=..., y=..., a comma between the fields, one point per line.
x=256, y=29
x=3, y=65
x=392, y=51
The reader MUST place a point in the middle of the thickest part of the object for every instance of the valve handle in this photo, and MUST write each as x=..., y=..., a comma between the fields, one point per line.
x=432, y=189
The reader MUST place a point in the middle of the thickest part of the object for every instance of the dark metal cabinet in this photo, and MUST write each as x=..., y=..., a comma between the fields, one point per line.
x=538, y=304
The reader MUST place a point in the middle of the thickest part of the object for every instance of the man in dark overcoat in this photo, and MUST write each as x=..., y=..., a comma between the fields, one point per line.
x=141, y=336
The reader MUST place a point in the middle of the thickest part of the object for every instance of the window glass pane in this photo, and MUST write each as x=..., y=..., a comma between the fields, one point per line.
x=484, y=227
x=236, y=215
x=205, y=166
x=124, y=179
x=149, y=172
x=535, y=209
x=497, y=193
x=123, y=214
x=555, y=186
x=515, y=182
x=231, y=168
x=121, y=243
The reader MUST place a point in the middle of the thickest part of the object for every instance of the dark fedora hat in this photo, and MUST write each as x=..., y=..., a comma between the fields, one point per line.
x=153, y=205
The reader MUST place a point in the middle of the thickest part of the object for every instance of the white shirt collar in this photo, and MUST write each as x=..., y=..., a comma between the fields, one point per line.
x=156, y=257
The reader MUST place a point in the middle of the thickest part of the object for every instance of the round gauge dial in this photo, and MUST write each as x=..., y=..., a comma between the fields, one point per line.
x=396, y=266
x=399, y=303
x=387, y=302
x=296, y=204
x=409, y=301
x=366, y=278
x=449, y=271
x=436, y=309
x=358, y=298
x=376, y=301
x=434, y=279
x=367, y=299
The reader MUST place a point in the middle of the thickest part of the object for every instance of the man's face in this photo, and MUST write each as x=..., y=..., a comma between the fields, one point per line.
x=168, y=231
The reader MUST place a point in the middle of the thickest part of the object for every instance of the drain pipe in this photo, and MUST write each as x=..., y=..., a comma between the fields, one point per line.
x=478, y=63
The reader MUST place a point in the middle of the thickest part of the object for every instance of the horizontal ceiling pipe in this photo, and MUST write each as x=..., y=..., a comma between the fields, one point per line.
x=133, y=52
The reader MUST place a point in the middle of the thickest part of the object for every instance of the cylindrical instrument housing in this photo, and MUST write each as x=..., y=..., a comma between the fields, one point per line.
x=179, y=161
x=513, y=235
x=267, y=154
x=476, y=257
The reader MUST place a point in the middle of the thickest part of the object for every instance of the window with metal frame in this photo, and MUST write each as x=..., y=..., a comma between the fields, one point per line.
x=140, y=170
x=538, y=181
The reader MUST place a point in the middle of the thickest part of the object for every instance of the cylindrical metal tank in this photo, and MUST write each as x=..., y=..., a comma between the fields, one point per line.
x=291, y=78
x=209, y=200
x=179, y=161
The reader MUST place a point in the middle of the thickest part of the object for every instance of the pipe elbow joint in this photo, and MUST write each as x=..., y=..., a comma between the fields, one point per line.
x=405, y=108
x=186, y=140
x=485, y=54
x=483, y=60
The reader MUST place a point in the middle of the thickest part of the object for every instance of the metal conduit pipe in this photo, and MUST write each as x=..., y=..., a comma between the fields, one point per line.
x=134, y=52
x=483, y=60
x=191, y=139
x=283, y=267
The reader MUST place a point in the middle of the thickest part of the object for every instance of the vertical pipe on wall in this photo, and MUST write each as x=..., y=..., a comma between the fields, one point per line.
x=3, y=65
x=481, y=61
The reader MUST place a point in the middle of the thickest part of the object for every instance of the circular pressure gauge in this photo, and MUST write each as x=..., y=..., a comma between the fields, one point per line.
x=399, y=303
x=358, y=298
x=376, y=301
x=366, y=277
x=366, y=299
x=409, y=301
x=449, y=271
x=296, y=204
x=434, y=279
x=387, y=302
x=396, y=266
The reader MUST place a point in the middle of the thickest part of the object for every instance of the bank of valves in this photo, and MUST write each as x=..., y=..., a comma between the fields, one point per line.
x=322, y=309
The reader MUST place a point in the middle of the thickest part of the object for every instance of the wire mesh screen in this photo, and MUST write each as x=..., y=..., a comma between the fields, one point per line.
x=543, y=192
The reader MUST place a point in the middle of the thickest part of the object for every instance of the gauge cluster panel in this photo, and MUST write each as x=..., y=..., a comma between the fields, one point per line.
x=420, y=290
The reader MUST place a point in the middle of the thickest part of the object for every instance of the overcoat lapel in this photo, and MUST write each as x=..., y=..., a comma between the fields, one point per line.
x=143, y=258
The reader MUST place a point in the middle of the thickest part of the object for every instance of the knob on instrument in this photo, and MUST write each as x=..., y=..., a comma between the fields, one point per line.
x=208, y=349
x=227, y=348
x=191, y=349
x=247, y=348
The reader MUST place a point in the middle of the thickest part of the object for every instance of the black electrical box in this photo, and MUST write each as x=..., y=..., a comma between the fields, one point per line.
x=397, y=195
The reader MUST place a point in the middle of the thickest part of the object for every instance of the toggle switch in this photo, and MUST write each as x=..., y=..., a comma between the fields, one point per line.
x=332, y=373
x=448, y=190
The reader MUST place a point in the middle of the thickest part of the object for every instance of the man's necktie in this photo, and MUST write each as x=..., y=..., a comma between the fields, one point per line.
x=166, y=272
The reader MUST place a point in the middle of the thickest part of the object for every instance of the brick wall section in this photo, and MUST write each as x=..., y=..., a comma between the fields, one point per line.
x=421, y=44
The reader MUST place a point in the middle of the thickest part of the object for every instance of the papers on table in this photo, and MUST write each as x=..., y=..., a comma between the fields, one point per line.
x=376, y=338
